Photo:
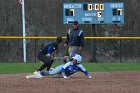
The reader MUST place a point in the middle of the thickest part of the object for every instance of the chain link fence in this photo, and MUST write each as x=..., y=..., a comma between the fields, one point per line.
x=45, y=18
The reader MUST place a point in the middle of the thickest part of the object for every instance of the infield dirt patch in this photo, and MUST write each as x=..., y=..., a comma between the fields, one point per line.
x=101, y=82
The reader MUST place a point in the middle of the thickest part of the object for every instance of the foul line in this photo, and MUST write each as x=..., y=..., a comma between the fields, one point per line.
x=53, y=37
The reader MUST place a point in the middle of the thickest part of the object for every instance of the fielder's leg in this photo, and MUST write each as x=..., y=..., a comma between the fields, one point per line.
x=46, y=60
x=49, y=65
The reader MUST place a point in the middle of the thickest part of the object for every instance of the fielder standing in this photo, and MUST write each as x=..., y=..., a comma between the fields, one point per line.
x=45, y=54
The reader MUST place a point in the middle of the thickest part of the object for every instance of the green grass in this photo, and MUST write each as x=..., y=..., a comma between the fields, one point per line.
x=102, y=67
x=11, y=68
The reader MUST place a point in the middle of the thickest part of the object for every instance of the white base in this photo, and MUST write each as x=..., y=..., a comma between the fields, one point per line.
x=34, y=76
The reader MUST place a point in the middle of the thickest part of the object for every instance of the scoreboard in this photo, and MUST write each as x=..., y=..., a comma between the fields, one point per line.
x=93, y=13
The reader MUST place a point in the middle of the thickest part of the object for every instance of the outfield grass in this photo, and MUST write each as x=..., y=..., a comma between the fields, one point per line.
x=11, y=68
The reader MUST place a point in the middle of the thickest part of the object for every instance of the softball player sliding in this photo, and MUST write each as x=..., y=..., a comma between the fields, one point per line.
x=65, y=70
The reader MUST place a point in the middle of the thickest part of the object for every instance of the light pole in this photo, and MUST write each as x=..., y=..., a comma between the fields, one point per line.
x=23, y=29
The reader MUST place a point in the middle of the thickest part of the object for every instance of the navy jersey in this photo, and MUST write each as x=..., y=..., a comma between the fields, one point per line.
x=49, y=48
x=70, y=68
x=75, y=37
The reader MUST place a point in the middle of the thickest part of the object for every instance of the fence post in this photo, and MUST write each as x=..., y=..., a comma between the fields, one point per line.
x=93, y=44
x=120, y=51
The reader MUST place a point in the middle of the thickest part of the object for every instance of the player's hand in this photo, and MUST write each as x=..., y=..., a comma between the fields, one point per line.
x=65, y=44
x=89, y=77
x=48, y=55
x=65, y=77
x=80, y=48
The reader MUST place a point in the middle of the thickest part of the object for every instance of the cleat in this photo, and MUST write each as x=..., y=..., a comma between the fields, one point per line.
x=36, y=72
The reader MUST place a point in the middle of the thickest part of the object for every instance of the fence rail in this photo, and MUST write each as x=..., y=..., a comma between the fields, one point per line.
x=53, y=37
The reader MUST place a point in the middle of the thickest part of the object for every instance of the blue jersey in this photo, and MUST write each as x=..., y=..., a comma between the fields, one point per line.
x=70, y=68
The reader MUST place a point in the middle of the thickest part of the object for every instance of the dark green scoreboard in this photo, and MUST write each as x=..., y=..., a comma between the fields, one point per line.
x=93, y=13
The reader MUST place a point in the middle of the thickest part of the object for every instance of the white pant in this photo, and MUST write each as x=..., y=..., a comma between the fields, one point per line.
x=56, y=70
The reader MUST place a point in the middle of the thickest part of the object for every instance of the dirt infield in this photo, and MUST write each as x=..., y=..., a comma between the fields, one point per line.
x=102, y=82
